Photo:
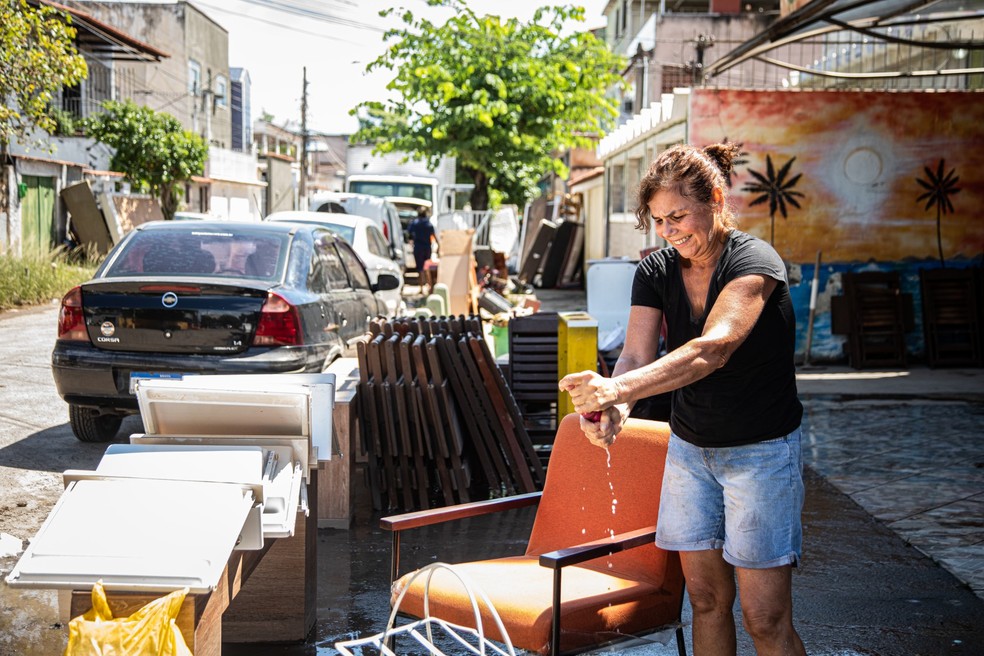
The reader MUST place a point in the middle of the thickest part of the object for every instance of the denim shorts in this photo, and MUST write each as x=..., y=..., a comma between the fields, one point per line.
x=745, y=500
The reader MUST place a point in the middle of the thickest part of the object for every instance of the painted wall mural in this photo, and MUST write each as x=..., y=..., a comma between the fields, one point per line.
x=888, y=181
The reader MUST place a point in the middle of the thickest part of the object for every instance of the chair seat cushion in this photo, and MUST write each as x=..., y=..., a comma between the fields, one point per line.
x=596, y=606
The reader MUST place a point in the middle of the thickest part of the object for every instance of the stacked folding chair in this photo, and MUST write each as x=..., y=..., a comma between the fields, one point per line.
x=533, y=376
x=438, y=421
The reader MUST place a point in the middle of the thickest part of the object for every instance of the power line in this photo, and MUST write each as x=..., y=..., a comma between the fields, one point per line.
x=307, y=12
x=266, y=21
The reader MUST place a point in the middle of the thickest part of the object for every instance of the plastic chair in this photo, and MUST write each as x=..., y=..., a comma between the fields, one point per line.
x=591, y=574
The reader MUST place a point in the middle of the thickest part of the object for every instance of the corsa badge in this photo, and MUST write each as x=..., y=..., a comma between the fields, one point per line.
x=169, y=299
x=107, y=329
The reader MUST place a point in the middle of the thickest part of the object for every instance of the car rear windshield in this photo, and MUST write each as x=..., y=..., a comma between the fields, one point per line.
x=345, y=232
x=220, y=253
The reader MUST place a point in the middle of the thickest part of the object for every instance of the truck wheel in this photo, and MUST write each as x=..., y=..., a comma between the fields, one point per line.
x=91, y=426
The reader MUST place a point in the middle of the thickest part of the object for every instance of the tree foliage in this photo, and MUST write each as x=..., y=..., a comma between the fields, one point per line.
x=502, y=96
x=153, y=150
x=37, y=58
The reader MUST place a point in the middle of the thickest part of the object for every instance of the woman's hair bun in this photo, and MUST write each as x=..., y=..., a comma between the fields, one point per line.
x=724, y=155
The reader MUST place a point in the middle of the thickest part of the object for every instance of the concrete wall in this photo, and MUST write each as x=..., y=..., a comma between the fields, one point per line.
x=665, y=47
x=593, y=193
x=677, y=37
x=184, y=32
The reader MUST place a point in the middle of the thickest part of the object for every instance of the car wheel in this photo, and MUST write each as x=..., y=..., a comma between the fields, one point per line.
x=92, y=426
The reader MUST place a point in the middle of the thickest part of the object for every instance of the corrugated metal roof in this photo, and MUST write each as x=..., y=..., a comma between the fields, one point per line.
x=97, y=36
x=870, y=18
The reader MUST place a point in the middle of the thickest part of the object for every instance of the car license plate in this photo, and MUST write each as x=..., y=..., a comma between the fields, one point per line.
x=137, y=376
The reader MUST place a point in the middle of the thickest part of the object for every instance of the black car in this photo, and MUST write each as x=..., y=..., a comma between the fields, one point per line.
x=206, y=297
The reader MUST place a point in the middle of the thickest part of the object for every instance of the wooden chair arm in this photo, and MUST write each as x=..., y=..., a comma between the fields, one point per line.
x=557, y=560
x=398, y=523
x=459, y=511
x=597, y=548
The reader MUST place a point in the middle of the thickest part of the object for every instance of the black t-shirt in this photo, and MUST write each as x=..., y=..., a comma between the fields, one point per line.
x=421, y=230
x=753, y=397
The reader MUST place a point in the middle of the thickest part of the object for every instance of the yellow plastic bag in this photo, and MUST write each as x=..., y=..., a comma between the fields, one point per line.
x=150, y=631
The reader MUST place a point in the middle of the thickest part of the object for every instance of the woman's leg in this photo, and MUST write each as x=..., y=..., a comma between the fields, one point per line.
x=767, y=610
x=711, y=588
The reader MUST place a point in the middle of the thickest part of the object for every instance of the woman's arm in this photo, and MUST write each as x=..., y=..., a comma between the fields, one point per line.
x=731, y=319
x=640, y=348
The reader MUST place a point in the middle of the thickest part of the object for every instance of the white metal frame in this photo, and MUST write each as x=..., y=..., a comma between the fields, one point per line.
x=382, y=641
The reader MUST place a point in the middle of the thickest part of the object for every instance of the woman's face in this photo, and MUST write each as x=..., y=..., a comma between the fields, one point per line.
x=687, y=225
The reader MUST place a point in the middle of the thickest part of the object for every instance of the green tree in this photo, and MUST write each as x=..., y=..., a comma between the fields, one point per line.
x=153, y=150
x=37, y=58
x=503, y=97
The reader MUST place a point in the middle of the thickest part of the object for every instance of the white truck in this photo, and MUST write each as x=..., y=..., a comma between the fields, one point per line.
x=408, y=185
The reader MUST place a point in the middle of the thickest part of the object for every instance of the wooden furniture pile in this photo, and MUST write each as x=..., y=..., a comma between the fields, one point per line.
x=952, y=316
x=875, y=315
x=438, y=422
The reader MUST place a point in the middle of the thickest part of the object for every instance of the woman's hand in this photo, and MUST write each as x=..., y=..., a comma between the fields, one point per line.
x=589, y=391
x=602, y=432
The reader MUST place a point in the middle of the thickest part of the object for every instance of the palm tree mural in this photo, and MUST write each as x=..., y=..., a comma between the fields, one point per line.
x=775, y=188
x=939, y=188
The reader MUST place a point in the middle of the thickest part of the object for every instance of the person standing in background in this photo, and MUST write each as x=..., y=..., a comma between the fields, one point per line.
x=732, y=491
x=422, y=235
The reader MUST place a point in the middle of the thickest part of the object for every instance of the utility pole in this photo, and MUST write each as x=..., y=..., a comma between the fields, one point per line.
x=304, y=143
x=701, y=43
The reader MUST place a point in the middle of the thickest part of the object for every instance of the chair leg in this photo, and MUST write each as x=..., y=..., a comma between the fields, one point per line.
x=555, y=623
x=681, y=645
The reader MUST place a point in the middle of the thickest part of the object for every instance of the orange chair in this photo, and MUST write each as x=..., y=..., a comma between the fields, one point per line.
x=591, y=574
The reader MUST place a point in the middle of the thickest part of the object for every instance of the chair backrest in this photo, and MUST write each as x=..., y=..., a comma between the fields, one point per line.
x=589, y=495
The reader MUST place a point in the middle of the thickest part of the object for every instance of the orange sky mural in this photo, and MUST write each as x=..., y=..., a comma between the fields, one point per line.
x=858, y=155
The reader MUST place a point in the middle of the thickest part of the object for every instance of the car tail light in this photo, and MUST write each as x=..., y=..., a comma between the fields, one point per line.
x=71, y=321
x=386, y=231
x=279, y=324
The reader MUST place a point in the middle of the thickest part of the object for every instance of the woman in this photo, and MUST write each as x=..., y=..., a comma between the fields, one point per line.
x=732, y=489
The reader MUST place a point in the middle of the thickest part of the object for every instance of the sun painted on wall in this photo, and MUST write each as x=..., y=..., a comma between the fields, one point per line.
x=839, y=171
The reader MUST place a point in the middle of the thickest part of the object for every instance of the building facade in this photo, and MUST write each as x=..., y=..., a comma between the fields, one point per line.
x=860, y=154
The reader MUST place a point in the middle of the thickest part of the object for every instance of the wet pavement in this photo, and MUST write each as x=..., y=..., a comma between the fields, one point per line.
x=893, y=560
x=863, y=587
